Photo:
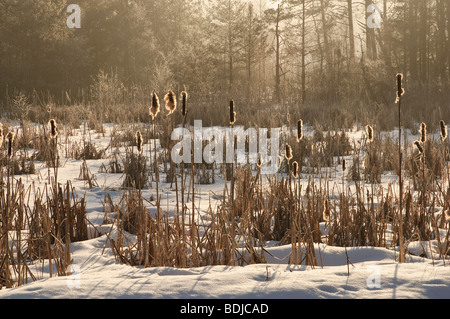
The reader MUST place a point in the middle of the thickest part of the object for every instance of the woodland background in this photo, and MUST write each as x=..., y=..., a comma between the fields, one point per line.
x=314, y=59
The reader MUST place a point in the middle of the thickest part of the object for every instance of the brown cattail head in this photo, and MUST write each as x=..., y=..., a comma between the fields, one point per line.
x=443, y=130
x=299, y=130
x=295, y=169
x=418, y=146
x=53, y=128
x=154, y=109
x=423, y=132
x=232, y=113
x=183, y=103
x=400, y=90
x=326, y=210
x=171, y=101
x=139, y=141
x=288, y=153
x=344, y=165
x=10, y=139
x=369, y=132
x=1, y=134
x=447, y=215
x=259, y=162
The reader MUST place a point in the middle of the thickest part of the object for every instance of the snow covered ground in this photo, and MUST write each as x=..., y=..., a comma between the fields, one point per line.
x=355, y=273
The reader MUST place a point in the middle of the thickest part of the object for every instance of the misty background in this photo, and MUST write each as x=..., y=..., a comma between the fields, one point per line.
x=315, y=59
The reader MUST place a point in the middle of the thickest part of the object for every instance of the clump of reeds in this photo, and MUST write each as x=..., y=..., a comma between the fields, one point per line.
x=372, y=164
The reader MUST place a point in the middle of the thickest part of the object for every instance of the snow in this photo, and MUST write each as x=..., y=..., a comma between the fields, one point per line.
x=372, y=274
x=352, y=273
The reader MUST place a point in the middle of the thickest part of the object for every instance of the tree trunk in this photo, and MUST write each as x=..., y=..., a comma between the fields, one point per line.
x=277, y=54
x=351, y=30
x=303, y=54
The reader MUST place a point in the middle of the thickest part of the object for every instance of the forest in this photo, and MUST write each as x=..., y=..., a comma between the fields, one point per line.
x=329, y=62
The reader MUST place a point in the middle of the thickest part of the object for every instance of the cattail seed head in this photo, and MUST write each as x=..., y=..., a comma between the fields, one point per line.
x=423, y=132
x=53, y=128
x=171, y=101
x=280, y=161
x=1, y=134
x=443, y=130
x=10, y=139
x=369, y=132
x=295, y=169
x=326, y=210
x=232, y=113
x=154, y=109
x=288, y=153
x=139, y=141
x=183, y=103
x=447, y=215
x=344, y=165
x=259, y=162
x=400, y=90
x=418, y=146
x=299, y=130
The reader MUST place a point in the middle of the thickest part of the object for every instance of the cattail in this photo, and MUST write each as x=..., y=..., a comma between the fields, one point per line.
x=423, y=132
x=299, y=130
x=326, y=210
x=447, y=215
x=139, y=141
x=183, y=103
x=443, y=130
x=295, y=169
x=288, y=154
x=400, y=90
x=419, y=147
x=280, y=161
x=53, y=128
x=1, y=134
x=259, y=161
x=369, y=132
x=154, y=109
x=344, y=165
x=10, y=138
x=232, y=113
x=171, y=101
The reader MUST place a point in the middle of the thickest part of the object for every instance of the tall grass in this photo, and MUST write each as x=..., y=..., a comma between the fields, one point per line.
x=303, y=206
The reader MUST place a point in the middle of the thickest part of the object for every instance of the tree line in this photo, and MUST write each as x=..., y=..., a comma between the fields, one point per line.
x=305, y=54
